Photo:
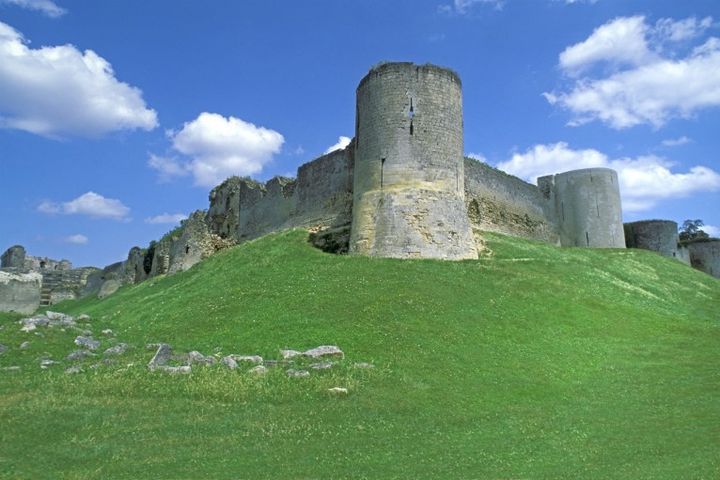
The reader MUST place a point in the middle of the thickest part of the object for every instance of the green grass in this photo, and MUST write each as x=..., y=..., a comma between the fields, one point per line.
x=535, y=362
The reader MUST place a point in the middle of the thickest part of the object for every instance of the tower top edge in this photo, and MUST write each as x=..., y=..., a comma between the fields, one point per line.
x=383, y=67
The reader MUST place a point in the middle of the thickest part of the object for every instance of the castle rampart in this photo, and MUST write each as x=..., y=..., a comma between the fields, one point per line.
x=401, y=188
x=499, y=202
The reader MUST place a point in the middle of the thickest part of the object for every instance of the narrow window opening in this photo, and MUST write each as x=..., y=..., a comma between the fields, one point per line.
x=674, y=254
x=411, y=127
x=42, y=264
x=587, y=238
x=187, y=248
x=597, y=207
x=382, y=172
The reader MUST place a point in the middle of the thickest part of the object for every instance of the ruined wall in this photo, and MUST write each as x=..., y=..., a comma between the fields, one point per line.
x=660, y=236
x=408, y=189
x=587, y=202
x=320, y=197
x=498, y=202
x=705, y=256
x=59, y=285
x=19, y=292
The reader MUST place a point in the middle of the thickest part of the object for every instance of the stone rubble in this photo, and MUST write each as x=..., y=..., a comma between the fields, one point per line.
x=324, y=351
x=73, y=370
x=79, y=355
x=321, y=365
x=118, y=349
x=256, y=359
x=339, y=391
x=258, y=370
x=288, y=354
x=292, y=373
x=229, y=362
x=24, y=345
x=87, y=342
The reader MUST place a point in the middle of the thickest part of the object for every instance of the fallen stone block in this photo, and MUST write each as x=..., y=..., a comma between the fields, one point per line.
x=324, y=351
x=118, y=349
x=229, y=362
x=161, y=357
x=258, y=370
x=292, y=373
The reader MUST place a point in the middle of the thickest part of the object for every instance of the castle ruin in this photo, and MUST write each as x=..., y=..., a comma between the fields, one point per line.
x=402, y=188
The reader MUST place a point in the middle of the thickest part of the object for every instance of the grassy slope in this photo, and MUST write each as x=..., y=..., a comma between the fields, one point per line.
x=536, y=362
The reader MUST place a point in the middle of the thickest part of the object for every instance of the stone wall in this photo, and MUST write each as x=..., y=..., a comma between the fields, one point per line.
x=499, y=202
x=19, y=292
x=705, y=256
x=320, y=197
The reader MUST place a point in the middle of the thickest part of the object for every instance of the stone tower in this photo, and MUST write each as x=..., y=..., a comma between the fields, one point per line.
x=408, y=187
x=587, y=203
x=660, y=236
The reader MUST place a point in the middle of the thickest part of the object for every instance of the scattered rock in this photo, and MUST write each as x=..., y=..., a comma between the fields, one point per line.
x=47, y=363
x=24, y=345
x=256, y=359
x=57, y=318
x=324, y=351
x=108, y=333
x=79, y=355
x=174, y=370
x=259, y=370
x=118, y=349
x=161, y=357
x=83, y=318
x=339, y=391
x=197, y=357
x=297, y=373
x=321, y=365
x=288, y=354
x=3, y=349
x=229, y=362
x=363, y=365
x=74, y=369
x=14, y=368
x=31, y=323
x=87, y=342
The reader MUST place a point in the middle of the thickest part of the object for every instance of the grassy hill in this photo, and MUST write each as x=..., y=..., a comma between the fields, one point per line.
x=533, y=362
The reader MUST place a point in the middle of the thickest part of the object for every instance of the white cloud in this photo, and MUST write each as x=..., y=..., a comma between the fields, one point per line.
x=90, y=204
x=58, y=91
x=166, y=218
x=711, y=230
x=167, y=167
x=477, y=156
x=619, y=41
x=341, y=144
x=652, y=88
x=463, y=6
x=77, y=239
x=676, y=142
x=644, y=181
x=47, y=7
x=218, y=147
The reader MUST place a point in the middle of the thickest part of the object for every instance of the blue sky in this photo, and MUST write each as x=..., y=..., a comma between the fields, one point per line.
x=117, y=117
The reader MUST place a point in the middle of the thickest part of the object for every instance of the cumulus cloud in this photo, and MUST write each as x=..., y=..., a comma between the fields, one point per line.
x=477, y=156
x=645, y=84
x=60, y=91
x=676, y=142
x=77, y=239
x=218, y=147
x=90, y=204
x=166, y=218
x=711, y=230
x=341, y=144
x=644, y=181
x=168, y=167
x=47, y=7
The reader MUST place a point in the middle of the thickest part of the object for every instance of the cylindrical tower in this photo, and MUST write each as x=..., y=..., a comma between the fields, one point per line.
x=660, y=236
x=408, y=192
x=588, y=208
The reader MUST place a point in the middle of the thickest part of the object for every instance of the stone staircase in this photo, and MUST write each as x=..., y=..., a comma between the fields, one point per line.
x=51, y=280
